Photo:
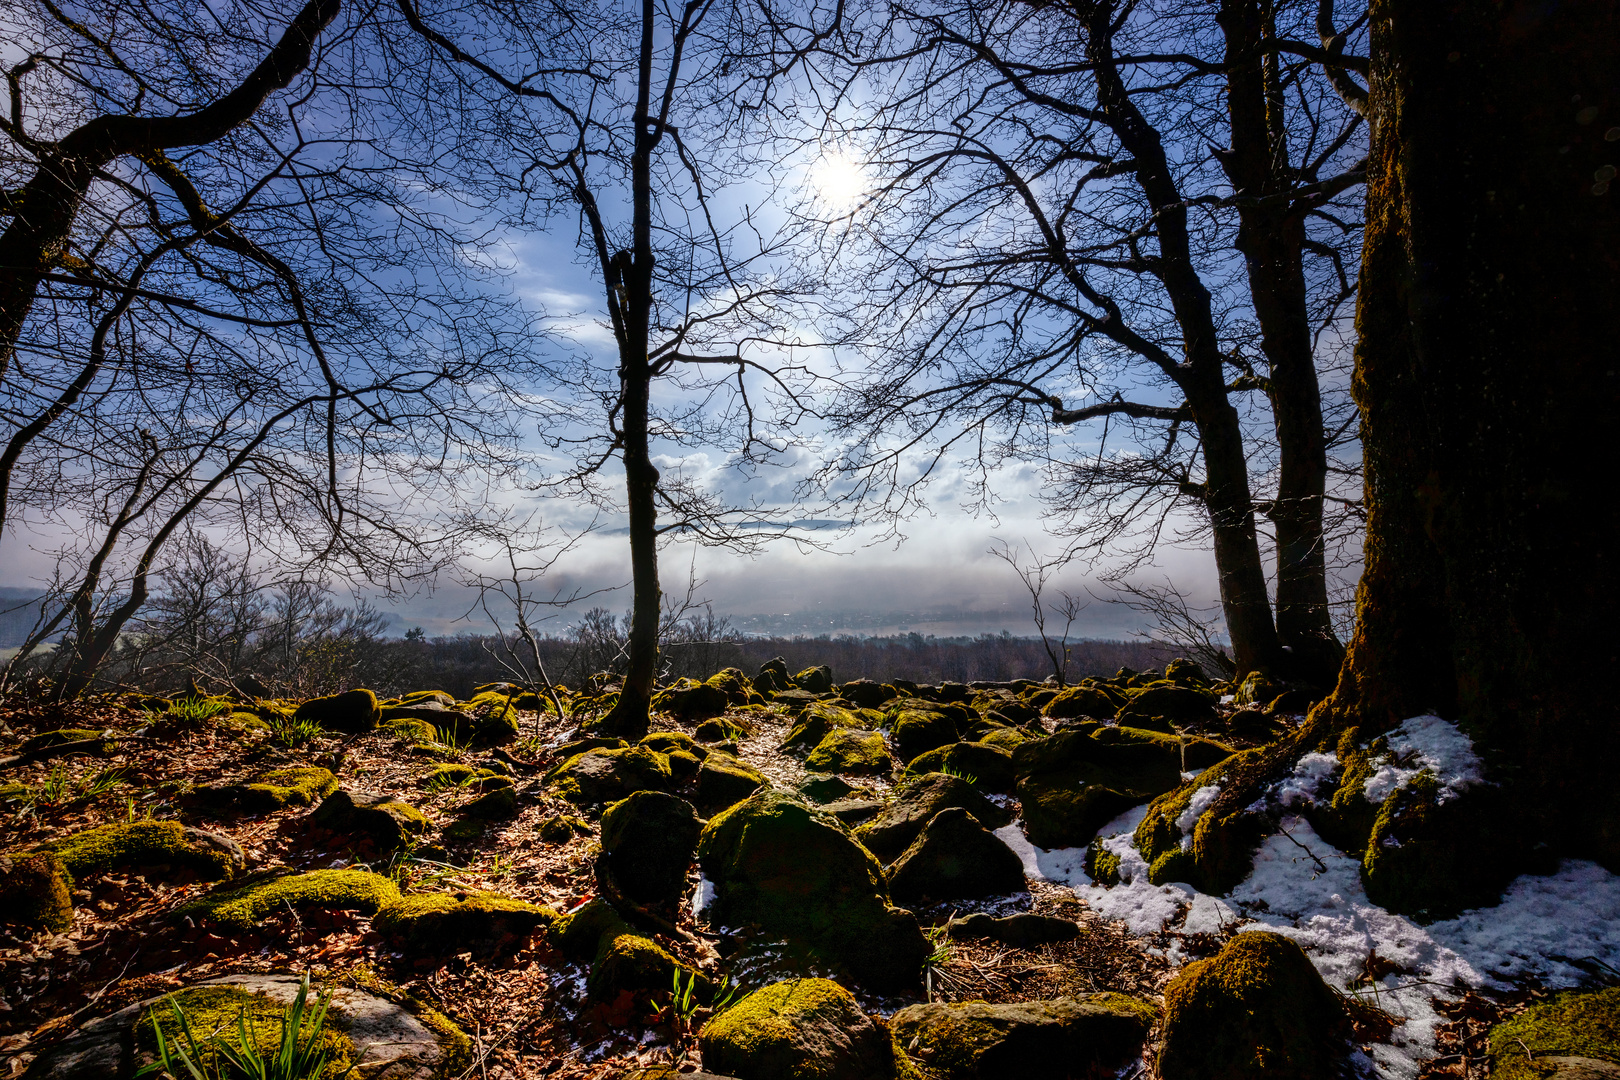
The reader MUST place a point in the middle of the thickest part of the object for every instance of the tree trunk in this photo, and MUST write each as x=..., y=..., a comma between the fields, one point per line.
x=1485, y=373
x=1272, y=239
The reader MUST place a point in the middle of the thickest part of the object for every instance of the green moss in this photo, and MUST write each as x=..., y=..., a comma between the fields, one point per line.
x=797, y=872
x=1432, y=859
x=1102, y=865
x=1091, y=1035
x=851, y=751
x=34, y=892
x=1256, y=1008
x=1173, y=865
x=451, y=775
x=497, y=804
x=817, y=722
x=917, y=731
x=244, y=905
x=561, y=828
x=802, y=1029
x=417, y=697
x=1008, y=739
x=280, y=788
x=989, y=767
x=1227, y=834
x=47, y=739
x=1257, y=688
x=667, y=741
x=385, y=821
x=604, y=775
x=221, y=1008
x=1079, y=701
x=416, y=732
x=721, y=729
x=442, y=923
x=725, y=781
x=1573, y=1024
x=626, y=961
x=138, y=843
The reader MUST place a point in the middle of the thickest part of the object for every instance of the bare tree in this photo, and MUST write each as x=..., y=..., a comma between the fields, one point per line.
x=1035, y=574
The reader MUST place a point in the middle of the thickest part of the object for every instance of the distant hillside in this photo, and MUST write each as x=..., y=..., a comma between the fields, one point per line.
x=18, y=610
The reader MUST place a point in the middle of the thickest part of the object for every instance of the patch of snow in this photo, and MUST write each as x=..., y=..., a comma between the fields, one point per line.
x=703, y=897
x=1310, y=773
x=1201, y=800
x=1227, y=699
x=1427, y=742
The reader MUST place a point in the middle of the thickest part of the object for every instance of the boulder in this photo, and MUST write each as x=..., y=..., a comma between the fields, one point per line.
x=721, y=730
x=1256, y=1008
x=1024, y=930
x=955, y=858
x=1434, y=857
x=601, y=775
x=34, y=892
x=1178, y=704
x=281, y=788
x=561, y=828
x=772, y=677
x=915, y=803
x=692, y=701
x=1089, y=1035
x=827, y=788
x=802, y=1029
x=1187, y=672
x=244, y=904
x=1079, y=701
x=621, y=959
x=860, y=753
x=916, y=732
x=1571, y=1036
x=796, y=872
x=866, y=693
x=816, y=680
x=440, y=924
x=383, y=1035
x=352, y=711
x=817, y=721
x=498, y=803
x=988, y=768
x=724, y=780
x=384, y=820
x=147, y=844
x=1257, y=688
x=647, y=844
x=854, y=811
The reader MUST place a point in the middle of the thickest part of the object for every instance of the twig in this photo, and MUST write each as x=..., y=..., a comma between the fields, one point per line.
x=99, y=994
x=1320, y=865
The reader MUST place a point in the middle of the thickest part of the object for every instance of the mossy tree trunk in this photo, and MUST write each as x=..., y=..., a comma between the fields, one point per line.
x=1486, y=376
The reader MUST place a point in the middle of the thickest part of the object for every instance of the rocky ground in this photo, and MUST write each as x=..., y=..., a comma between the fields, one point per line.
x=787, y=877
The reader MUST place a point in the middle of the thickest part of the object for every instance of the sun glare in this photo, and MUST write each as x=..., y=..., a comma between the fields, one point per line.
x=839, y=180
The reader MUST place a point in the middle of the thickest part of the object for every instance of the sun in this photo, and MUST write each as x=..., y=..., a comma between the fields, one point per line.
x=840, y=180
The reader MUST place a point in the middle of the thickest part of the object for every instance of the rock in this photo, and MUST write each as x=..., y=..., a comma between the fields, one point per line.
x=384, y=1039
x=773, y=676
x=432, y=711
x=209, y=855
x=854, y=811
x=1257, y=688
x=561, y=828
x=1570, y=1036
x=827, y=788
x=621, y=960
x=915, y=803
x=352, y=711
x=721, y=730
x=382, y=819
x=988, y=768
x=1433, y=859
x=647, y=844
x=440, y=924
x=34, y=892
x=955, y=858
x=866, y=693
x=1021, y=931
x=816, y=680
x=916, y=732
x=497, y=804
x=817, y=721
x=281, y=788
x=860, y=753
x=425, y=697
x=1178, y=704
x=796, y=872
x=599, y=776
x=495, y=717
x=1089, y=1035
x=724, y=780
x=1256, y=1008
x=795, y=700
x=1187, y=672
x=691, y=701
x=802, y=1029
x=1079, y=701
x=245, y=903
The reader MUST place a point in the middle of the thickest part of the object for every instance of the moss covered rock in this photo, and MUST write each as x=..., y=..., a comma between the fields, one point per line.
x=46, y=739
x=351, y=711
x=494, y=718
x=796, y=872
x=724, y=780
x=819, y=720
x=34, y=892
x=917, y=731
x=988, y=768
x=231, y=1010
x=442, y=923
x=281, y=788
x=1256, y=1008
x=916, y=801
x=858, y=753
x=498, y=803
x=148, y=844
x=1003, y=738
x=721, y=730
x=692, y=701
x=246, y=903
x=1178, y=704
x=954, y=858
x=621, y=959
x=647, y=845
x=1078, y=701
x=816, y=680
x=561, y=828
x=1573, y=1036
x=1024, y=930
x=1432, y=857
x=1091, y=1035
x=802, y=1029
x=603, y=775
x=382, y=819
x=1257, y=688
x=825, y=788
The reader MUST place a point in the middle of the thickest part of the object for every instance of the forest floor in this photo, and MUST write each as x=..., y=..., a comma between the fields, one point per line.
x=525, y=1009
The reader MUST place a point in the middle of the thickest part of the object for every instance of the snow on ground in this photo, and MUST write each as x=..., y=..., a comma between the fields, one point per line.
x=1305, y=888
x=1427, y=742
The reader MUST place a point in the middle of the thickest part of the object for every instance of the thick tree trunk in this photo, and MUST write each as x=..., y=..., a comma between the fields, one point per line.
x=1272, y=239
x=1486, y=376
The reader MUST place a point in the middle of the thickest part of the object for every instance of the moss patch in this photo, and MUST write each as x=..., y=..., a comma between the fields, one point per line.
x=1583, y=1025
x=139, y=843
x=34, y=892
x=817, y=721
x=442, y=923
x=603, y=775
x=221, y=1008
x=802, y=1029
x=724, y=780
x=1091, y=1035
x=281, y=788
x=860, y=753
x=244, y=905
